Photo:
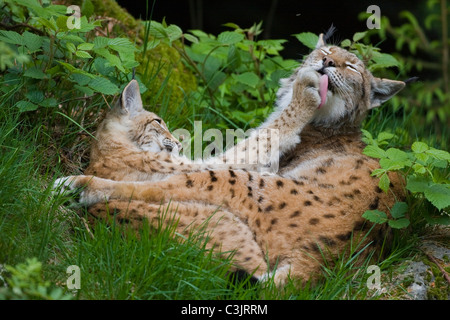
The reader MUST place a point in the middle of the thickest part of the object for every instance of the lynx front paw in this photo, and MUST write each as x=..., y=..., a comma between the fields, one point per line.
x=76, y=188
x=306, y=88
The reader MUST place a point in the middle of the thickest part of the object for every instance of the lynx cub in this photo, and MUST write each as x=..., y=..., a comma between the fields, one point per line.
x=286, y=224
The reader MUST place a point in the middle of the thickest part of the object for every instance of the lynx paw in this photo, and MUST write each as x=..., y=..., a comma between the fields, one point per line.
x=306, y=88
x=76, y=188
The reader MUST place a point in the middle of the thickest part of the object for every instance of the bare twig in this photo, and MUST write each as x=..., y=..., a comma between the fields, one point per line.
x=436, y=262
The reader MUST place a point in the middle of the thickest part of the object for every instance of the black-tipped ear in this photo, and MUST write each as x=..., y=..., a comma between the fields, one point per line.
x=131, y=98
x=383, y=89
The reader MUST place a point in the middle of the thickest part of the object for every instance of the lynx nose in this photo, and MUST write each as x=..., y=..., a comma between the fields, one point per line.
x=328, y=62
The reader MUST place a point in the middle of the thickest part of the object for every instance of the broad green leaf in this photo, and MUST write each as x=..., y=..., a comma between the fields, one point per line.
x=71, y=47
x=230, y=37
x=390, y=165
x=358, y=36
x=438, y=195
x=49, y=102
x=375, y=216
x=417, y=184
x=396, y=154
x=385, y=136
x=35, y=96
x=11, y=37
x=174, y=32
x=248, y=78
x=190, y=37
x=384, y=182
x=399, y=224
x=26, y=106
x=85, y=46
x=32, y=41
x=374, y=152
x=346, y=43
x=384, y=60
x=419, y=147
x=83, y=54
x=35, y=73
x=418, y=168
x=103, y=85
x=100, y=42
x=399, y=209
x=438, y=154
x=309, y=39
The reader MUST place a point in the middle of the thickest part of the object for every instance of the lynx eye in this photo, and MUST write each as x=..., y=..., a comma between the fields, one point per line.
x=352, y=67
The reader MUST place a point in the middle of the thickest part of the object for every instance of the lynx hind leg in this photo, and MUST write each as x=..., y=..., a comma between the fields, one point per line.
x=225, y=232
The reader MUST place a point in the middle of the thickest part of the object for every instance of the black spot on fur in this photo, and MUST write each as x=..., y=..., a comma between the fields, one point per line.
x=232, y=181
x=374, y=204
x=326, y=186
x=293, y=225
x=295, y=214
x=321, y=170
x=378, y=190
x=282, y=205
x=293, y=191
x=232, y=174
x=260, y=199
x=344, y=236
x=189, y=183
x=280, y=184
x=327, y=241
x=299, y=183
x=209, y=188
x=269, y=208
x=314, y=221
x=329, y=216
x=262, y=183
x=307, y=203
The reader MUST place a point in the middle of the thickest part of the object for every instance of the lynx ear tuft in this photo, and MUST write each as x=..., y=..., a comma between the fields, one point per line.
x=131, y=98
x=383, y=89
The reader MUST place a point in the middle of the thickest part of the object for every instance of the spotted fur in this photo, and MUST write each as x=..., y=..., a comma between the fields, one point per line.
x=286, y=224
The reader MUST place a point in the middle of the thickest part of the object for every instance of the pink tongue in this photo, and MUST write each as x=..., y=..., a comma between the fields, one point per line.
x=323, y=89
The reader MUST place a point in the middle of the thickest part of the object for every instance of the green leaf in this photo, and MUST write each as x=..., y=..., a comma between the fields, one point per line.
x=309, y=39
x=85, y=46
x=358, y=36
x=385, y=136
x=374, y=152
x=103, y=85
x=417, y=184
x=390, y=165
x=230, y=37
x=174, y=32
x=35, y=73
x=375, y=216
x=32, y=41
x=384, y=60
x=49, y=102
x=438, y=154
x=418, y=168
x=384, y=182
x=419, y=147
x=399, y=224
x=83, y=54
x=71, y=47
x=190, y=38
x=24, y=106
x=399, y=209
x=248, y=78
x=396, y=154
x=346, y=43
x=438, y=195
x=11, y=37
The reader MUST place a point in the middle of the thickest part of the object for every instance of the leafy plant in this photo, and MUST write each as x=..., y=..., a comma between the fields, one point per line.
x=424, y=168
x=53, y=53
x=26, y=282
x=238, y=74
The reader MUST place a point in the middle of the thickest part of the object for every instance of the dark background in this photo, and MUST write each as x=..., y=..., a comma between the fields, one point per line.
x=281, y=18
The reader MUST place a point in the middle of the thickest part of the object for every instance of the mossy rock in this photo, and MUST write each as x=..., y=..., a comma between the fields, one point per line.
x=163, y=58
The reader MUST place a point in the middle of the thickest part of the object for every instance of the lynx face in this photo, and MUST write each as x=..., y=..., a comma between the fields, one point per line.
x=350, y=91
x=150, y=133
x=145, y=129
